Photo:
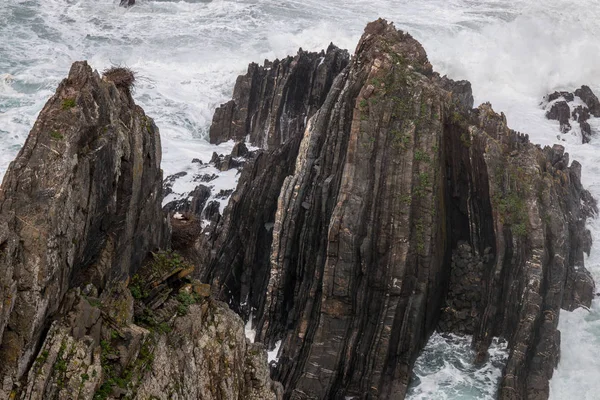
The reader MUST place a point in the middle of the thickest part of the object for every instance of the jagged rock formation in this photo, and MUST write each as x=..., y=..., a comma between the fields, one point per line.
x=80, y=212
x=378, y=198
x=203, y=203
x=561, y=106
x=81, y=203
x=284, y=95
x=271, y=103
x=340, y=236
x=171, y=342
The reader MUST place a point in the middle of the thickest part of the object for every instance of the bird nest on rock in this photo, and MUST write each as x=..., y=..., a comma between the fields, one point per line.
x=122, y=77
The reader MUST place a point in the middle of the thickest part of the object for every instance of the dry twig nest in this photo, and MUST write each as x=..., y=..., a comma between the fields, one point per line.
x=122, y=77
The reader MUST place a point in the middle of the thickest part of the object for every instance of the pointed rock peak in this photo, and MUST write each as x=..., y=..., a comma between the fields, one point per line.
x=383, y=39
x=79, y=205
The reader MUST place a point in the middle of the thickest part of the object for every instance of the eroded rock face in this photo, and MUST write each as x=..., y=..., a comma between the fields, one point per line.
x=271, y=103
x=351, y=265
x=85, y=311
x=80, y=203
x=207, y=356
x=463, y=301
x=171, y=342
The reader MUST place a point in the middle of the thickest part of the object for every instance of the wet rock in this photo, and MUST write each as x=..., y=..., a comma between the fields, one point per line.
x=127, y=3
x=581, y=114
x=170, y=181
x=239, y=150
x=561, y=112
x=567, y=96
x=586, y=132
x=194, y=203
x=223, y=194
x=212, y=211
x=590, y=99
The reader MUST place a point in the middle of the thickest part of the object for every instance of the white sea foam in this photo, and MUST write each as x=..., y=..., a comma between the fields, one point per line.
x=249, y=330
x=273, y=355
x=445, y=370
x=188, y=54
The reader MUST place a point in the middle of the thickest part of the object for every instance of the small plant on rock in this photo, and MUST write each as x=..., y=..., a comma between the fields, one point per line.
x=68, y=104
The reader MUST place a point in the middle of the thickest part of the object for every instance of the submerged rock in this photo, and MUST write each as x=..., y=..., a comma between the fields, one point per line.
x=590, y=99
x=561, y=112
x=340, y=234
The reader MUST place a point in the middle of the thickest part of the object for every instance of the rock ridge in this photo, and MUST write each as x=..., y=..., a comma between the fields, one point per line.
x=93, y=303
x=360, y=211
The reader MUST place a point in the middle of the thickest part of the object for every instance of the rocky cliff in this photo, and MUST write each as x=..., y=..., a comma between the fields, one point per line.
x=92, y=304
x=379, y=207
x=353, y=236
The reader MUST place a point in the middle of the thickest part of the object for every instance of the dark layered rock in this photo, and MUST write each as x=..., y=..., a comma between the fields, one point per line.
x=565, y=95
x=127, y=3
x=271, y=103
x=340, y=239
x=195, y=204
x=463, y=301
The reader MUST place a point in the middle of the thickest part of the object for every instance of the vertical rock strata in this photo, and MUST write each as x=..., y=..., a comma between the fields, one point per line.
x=277, y=101
x=390, y=177
x=86, y=312
x=80, y=204
x=380, y=207
x=271, y=103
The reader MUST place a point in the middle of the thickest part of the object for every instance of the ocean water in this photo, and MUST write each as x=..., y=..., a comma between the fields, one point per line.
x=188, y=53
